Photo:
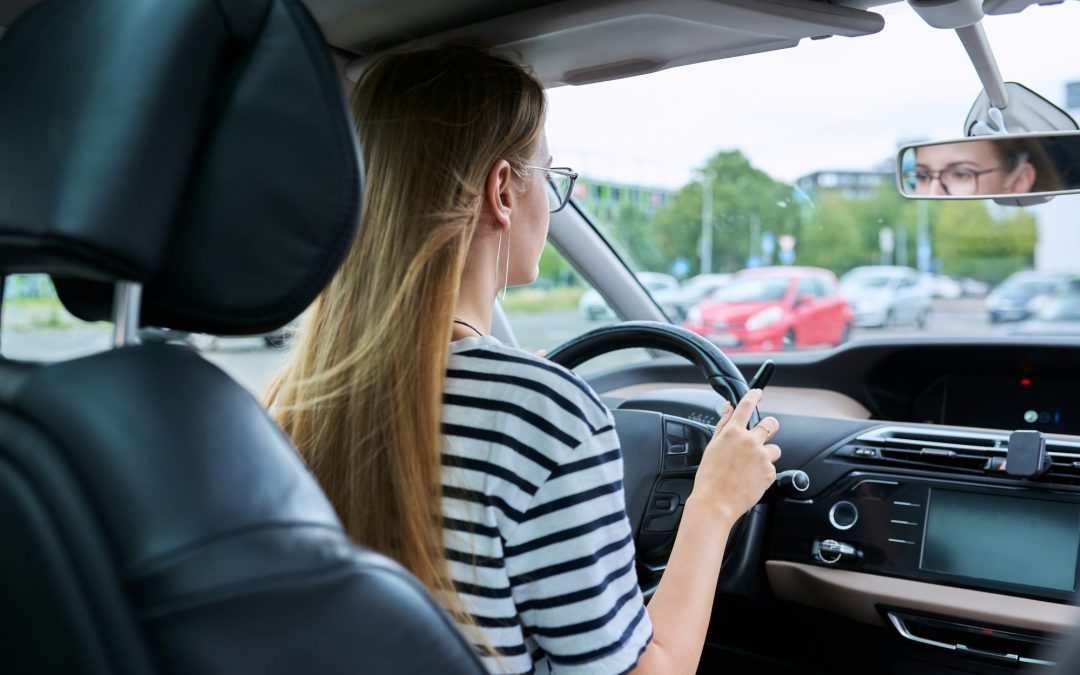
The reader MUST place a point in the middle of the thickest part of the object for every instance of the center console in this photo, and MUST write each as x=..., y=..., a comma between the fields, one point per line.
x=1005, y=540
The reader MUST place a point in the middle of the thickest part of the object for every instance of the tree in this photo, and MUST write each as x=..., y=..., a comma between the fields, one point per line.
x=971, y=242
x=745, y=199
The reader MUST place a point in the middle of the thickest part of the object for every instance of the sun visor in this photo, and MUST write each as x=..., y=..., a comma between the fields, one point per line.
x=584, y=41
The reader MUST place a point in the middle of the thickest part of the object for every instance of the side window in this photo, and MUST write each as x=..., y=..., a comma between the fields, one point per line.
x=558, y=306
x=822, y=287
x=34, y=326
x=806, y=287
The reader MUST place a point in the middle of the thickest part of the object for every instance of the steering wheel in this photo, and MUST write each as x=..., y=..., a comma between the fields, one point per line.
x=661, y=452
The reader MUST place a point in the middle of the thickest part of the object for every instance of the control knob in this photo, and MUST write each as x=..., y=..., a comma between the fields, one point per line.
x=831, y=551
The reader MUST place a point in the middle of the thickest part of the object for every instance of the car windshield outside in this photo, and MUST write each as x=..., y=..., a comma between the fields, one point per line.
x=1063, y=308
x=753, y=290
x=859, y=281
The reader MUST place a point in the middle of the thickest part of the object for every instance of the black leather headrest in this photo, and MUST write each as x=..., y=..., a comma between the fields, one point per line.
x=200, y=147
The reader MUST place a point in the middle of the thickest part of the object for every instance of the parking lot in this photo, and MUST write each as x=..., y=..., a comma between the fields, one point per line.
x=253, y=364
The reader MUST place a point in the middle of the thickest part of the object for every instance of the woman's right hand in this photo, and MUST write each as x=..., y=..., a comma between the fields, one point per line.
x=737, y=466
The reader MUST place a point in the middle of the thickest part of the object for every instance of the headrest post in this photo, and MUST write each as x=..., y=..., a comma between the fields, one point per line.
x=127, y=299
x=3, y=278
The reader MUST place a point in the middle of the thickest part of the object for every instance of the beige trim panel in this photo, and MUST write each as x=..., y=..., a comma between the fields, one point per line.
x=855, y=595
x=785, y=400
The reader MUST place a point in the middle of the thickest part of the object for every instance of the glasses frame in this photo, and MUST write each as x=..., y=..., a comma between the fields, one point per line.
x=936, y=176
x=562, y=171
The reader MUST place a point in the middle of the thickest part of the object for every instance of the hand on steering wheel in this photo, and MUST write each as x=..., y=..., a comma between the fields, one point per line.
x=738, y=464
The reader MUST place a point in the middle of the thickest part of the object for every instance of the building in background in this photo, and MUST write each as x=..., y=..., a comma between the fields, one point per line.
x=605, y=200
x=850, y=184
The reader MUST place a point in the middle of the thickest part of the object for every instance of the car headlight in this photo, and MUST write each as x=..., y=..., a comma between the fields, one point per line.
x=694, y=315
x=765, y=317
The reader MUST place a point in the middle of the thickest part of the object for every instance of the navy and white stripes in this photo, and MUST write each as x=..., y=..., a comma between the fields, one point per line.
x=535, y=526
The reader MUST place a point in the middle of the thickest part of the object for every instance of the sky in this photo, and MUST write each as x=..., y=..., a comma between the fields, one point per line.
x=840, y=103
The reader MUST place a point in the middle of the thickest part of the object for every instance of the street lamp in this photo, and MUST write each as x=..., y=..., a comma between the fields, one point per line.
x=706, y=220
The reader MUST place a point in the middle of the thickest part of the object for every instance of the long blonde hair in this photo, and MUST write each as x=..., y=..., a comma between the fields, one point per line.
x=361, y=396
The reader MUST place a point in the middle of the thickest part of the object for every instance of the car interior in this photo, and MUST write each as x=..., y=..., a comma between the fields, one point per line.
x=154, y=519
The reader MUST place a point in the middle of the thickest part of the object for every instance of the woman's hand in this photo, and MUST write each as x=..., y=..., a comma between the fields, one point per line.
x=737, y=466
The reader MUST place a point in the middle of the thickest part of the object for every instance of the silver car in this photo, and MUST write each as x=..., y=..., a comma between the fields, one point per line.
x=887, y=295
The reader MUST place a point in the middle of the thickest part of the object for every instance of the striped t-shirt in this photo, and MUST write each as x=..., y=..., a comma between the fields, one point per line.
x=536, y=532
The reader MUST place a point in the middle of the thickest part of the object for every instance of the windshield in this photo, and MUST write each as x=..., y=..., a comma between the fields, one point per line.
x=862, y=282
x=753, y=290
x=1063, y=308
x=1028, y=286
x=786, y=159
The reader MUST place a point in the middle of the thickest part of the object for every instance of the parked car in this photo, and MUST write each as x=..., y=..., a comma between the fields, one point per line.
x=973, y=288
x=886, y=295
x=1019, y=296
x=944, y=287
x=1058, y=316
x=662, y=287
x=773, y=308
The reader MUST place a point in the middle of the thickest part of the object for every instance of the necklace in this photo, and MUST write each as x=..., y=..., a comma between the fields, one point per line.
x=469, y=326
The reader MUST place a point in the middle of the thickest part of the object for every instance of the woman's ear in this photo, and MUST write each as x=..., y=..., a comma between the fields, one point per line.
x=1023, y=179
x=498, y=195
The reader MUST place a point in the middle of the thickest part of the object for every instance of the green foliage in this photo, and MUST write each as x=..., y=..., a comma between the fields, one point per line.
x=555, y=270
x=745, y=200
x=970, y=242
x=539, y=300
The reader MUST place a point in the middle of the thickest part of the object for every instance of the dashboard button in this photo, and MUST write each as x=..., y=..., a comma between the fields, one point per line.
x=843, y=515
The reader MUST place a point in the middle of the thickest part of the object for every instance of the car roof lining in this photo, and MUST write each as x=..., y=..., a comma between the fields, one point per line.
x=584, y=41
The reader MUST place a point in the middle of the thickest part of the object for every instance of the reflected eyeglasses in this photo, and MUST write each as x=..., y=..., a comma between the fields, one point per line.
x=954, y=181
x=561, y=179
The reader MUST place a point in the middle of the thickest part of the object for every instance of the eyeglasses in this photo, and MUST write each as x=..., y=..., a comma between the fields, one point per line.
x=561, y=179
x=954, y=181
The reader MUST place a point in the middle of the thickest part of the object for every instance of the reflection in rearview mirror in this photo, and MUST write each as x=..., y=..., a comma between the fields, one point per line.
x=991, y=166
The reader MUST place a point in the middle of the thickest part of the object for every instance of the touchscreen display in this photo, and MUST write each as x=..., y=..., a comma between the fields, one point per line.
x=1010, y=539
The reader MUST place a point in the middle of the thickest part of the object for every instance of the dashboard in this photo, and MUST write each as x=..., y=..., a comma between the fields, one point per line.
x=914, y=522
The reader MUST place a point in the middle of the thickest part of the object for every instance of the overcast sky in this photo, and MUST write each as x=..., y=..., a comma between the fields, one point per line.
x=841, y=103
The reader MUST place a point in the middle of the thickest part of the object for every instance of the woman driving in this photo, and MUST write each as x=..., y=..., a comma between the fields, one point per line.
x=493, y=475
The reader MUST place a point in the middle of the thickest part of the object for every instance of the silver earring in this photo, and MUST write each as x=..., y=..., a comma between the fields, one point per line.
x=506, y=277
x=498, y=257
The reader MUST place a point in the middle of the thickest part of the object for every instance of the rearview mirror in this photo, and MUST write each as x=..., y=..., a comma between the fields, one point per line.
x=1045, y=163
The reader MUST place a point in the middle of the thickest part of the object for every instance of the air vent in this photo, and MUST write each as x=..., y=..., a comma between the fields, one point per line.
x=955, y=452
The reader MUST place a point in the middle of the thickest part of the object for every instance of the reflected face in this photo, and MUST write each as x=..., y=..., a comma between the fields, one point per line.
x=969, y=168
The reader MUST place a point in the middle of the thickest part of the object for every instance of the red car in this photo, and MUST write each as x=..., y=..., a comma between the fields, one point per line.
x=772, y=308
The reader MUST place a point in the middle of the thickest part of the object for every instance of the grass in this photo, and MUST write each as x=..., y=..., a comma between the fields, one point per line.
x=36, y=313
x=527, y=300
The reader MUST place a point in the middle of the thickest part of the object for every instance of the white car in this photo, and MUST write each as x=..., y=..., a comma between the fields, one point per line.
x=887, y=295
x=662, y=287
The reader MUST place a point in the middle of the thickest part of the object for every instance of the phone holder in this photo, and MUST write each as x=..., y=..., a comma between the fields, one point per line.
x=1027, y=455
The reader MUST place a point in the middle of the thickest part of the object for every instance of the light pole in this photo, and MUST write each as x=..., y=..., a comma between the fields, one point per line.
x=923, y=252
x=706, y=221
